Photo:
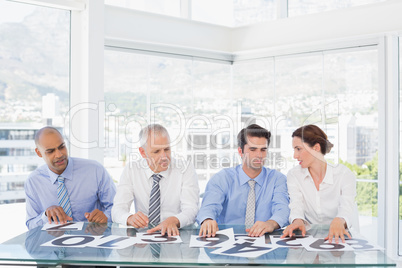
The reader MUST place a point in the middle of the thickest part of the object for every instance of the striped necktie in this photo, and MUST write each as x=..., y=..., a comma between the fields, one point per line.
x=250, y=211
x=154, y=213
x=62, y=196
x=155, y=250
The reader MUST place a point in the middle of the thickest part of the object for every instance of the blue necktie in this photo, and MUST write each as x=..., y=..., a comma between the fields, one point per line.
x=250, y=210
x=62, y=196
x=155, y=202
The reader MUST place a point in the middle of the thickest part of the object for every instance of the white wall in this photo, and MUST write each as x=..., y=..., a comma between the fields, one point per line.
x=331, y=29
x=366, y=20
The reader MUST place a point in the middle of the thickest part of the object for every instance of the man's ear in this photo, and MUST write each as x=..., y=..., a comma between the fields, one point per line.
x=38, y=152
x=142, y=152
x=239, y=150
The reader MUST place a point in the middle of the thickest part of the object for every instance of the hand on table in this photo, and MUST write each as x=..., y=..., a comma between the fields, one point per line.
x=209, y=227
x=297, y=224
x=57, y=214
x=170, y=226
x=337, y=229
x=261, y=227
x=138, y=220
x=96, y=216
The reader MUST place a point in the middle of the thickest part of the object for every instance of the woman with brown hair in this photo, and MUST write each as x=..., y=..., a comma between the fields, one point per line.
x=320, y=193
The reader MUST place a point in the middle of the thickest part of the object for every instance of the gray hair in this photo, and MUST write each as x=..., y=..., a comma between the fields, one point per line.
x=44, y=130
x=156, y=129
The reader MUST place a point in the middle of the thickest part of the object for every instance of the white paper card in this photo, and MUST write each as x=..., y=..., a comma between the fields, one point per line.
x=221, y=237
x=113, y=242
x=255, y=240
x=145, y=238
x=69, y=226
x=323, y=245
x=294, y=241
x=73, y=241
x=244, y=249
x=362, y=244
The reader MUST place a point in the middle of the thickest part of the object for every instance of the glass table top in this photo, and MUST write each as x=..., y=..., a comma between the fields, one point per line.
x=27, y=248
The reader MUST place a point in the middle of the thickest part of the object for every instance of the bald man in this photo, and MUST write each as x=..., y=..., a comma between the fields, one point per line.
x=66, y=188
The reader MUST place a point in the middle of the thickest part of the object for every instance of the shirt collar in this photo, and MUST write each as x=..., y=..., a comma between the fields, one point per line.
x=149, y=172
x=305, y=173
x=328, y=178
x=329, y=175
x=244, y=178
x=67, y=173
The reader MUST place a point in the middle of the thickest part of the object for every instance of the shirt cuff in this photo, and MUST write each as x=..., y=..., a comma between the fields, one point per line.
x=44, y=218
x=348, y=222
x=182, y=220
x=123, y=218
x=201, y=218
x=279, y=220
x=296, y=216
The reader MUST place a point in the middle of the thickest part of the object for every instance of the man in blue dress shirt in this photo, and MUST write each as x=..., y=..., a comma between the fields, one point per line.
x=227, y=192
x=90, y=189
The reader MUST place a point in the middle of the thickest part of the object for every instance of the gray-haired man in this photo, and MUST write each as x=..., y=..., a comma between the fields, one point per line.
x=165, y=191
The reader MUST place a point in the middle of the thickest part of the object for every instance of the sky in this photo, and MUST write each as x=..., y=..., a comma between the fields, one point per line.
x=18, y=11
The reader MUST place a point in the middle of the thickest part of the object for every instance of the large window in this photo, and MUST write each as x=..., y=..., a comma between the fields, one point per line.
x=400, y=148
x=223, y=12
x=233, y=13
x=204, y=105
x=188, y=97
x=164, y=7
x=304, y=7
x=34, y=89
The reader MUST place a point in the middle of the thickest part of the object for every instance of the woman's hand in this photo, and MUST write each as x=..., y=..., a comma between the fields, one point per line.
x=297, y=224
x=337, y=229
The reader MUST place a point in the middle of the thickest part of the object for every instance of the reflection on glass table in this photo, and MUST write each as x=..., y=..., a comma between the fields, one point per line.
x=28, y=248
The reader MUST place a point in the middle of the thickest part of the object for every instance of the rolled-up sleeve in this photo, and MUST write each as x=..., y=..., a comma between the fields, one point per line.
x=280, y=206
x=296, y=204
x=189, y=197
x=347, y=197
x=123, y=198
x=106, y=194
x=212, y=202
x=35, y=216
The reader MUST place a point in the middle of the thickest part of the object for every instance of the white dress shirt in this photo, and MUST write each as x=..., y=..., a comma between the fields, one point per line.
x=179, y=191
x=335, y=197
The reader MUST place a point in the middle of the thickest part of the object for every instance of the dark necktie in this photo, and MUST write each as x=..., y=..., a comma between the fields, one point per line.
x=154, y=213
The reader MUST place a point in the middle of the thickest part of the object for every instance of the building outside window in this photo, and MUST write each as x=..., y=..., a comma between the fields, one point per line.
x=34, y=91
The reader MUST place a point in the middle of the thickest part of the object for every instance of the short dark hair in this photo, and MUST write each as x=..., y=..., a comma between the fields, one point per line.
x=252, y=130
x=311, y=134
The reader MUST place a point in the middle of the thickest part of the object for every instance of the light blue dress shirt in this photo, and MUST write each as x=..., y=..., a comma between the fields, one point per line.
x=88, y=184
x=225, y=198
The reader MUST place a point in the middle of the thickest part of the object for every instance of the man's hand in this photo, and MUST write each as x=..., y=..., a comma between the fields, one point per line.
x=96, y=216
x=170, y=226
x=297, y=224
x=337, y=229
x=57, y=214
x=138, y=220
x=261, y=227
x=209, y=227
x=96, y=228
